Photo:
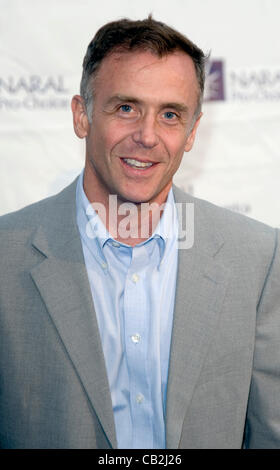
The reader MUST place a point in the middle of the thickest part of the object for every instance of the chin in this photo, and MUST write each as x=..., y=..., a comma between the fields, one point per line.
x=134, y=198
x=135, y=195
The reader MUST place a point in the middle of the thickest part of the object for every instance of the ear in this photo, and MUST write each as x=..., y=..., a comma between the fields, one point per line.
x=191, y=136
x=80, y=119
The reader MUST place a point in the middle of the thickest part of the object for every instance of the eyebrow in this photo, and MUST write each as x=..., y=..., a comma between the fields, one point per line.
x=181, y=107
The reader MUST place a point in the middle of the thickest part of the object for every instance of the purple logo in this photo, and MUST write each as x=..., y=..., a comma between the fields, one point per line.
x=214, y=83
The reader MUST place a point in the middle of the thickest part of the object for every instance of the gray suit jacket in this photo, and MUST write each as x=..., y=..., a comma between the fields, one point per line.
x=224, y=375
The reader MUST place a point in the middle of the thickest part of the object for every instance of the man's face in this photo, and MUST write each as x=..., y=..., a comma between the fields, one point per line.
x=141, y=125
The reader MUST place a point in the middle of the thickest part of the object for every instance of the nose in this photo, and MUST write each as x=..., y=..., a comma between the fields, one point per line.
x=146, y=132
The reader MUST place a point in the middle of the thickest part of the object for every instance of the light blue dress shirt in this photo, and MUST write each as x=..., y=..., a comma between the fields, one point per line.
x=133, y=290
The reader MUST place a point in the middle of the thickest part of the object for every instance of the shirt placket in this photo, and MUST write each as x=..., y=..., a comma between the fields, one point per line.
x=136, y=327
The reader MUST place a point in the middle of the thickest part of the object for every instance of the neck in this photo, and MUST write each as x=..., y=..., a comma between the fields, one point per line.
x=127, y=222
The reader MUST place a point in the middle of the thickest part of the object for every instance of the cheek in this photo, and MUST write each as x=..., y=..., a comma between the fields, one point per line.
x=100, y=141
x=176, y=147
x=113, y=134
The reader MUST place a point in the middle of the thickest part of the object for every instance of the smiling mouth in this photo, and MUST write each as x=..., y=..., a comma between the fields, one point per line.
x=137, y=164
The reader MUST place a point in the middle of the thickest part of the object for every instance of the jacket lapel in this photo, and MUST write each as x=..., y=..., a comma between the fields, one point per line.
x=200, y=291
x=62, y=281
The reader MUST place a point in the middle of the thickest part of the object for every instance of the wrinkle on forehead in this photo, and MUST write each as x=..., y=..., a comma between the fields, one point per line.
x=181, y=68
x=117, y=55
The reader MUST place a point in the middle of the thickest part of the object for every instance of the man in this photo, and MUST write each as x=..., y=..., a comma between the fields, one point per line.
x=113, y=332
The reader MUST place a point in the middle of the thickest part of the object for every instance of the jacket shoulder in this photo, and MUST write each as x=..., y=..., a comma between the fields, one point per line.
x=35, y=214
x=238, y=230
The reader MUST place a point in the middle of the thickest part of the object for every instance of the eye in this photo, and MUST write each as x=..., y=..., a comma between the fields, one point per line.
x=125, y=108
x=169, y=115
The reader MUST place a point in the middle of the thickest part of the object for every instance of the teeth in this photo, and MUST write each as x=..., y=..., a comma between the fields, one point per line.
x=136, y=163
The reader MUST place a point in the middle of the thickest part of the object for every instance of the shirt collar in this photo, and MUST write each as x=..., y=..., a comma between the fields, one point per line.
x=164, y=233
x=92, y=230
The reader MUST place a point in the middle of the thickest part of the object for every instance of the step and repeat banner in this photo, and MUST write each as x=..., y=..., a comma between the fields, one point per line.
x=235, y=161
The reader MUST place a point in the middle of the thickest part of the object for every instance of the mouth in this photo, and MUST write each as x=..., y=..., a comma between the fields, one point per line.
x=137, y=164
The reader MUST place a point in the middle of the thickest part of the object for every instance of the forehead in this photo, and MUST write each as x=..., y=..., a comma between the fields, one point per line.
x=144, y=73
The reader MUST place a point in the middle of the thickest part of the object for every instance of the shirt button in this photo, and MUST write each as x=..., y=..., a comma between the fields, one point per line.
x=135, y=338
x=116, y=244
x=135, y=278
x=104, y=265
x=139, y=398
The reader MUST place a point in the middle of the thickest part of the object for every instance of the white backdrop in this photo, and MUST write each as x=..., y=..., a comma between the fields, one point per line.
x=235, y=162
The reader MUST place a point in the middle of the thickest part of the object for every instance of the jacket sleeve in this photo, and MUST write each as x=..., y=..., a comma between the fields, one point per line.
x=263, y=412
